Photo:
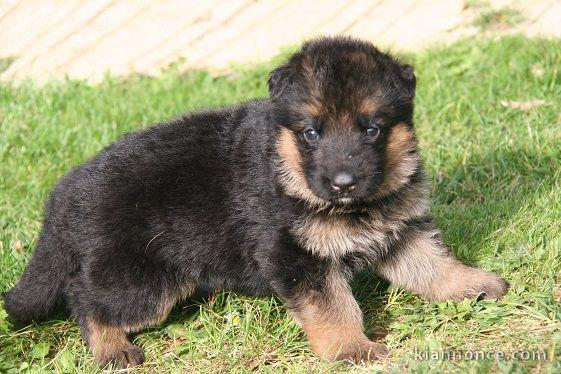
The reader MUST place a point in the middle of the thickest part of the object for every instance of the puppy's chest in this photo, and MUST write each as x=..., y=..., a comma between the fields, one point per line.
x=336, y=236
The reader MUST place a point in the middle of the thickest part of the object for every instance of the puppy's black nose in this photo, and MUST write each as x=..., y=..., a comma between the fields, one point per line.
x=343, y=182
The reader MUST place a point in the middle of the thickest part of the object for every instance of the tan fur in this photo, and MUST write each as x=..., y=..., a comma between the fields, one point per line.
x=106, y=342
x=109, y=343
x=424, y=265
x=291, y=174
x=402, y=159
x=342, y=120
x=335, y=235
x=367, y=106
x=313, y=108
x=333, y=323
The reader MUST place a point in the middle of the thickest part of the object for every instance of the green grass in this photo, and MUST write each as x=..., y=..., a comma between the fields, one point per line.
x=496, y=181
x=497, y=18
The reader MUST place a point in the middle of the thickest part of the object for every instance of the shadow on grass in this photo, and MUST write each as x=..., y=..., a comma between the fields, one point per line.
x=492, y=193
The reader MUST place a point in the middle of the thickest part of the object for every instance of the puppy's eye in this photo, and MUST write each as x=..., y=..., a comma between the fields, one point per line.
x=373, y=131
x=311, y=135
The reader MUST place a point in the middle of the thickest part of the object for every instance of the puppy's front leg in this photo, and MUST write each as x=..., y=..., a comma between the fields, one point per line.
x=332, y=321
x=421, y=263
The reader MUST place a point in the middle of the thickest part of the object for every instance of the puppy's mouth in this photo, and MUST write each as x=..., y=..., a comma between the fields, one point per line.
x=343, y=199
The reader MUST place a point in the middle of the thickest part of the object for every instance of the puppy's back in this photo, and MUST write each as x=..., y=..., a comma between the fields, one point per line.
x=163, y=182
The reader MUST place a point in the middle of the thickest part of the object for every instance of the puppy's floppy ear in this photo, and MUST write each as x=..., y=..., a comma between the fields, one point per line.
x=279, y=80
x=408, y=78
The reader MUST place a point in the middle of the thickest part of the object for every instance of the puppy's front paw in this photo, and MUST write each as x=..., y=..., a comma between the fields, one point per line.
x=366, y=352
x=475, y=283
x=492, y=287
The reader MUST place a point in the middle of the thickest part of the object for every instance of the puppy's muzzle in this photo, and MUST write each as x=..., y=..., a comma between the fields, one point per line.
x=343, y=182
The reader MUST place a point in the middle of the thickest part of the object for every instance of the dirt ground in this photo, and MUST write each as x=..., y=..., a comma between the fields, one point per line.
x=85, y=39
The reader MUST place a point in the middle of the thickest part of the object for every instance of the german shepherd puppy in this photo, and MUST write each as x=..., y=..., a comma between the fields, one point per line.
x=289, y=195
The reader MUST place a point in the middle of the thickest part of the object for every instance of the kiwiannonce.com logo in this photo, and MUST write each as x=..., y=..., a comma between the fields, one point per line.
x=461, y=355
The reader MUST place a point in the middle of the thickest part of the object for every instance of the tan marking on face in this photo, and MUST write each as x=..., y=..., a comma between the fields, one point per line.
x=367, y=106
x=341, y=120
x=402, y=159
x=292, y=176
x=313, y=108
x=332, y=321
x=314, y=103
x=345, y=120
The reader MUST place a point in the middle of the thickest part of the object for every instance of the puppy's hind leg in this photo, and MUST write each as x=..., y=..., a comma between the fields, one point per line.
x=110, y=344
x=421, y=262
x=105, y=330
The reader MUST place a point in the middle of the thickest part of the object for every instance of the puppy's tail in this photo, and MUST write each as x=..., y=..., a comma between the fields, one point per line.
x=39, y=291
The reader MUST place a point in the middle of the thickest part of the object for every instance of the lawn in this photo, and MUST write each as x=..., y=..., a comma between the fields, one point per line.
x=488, y=115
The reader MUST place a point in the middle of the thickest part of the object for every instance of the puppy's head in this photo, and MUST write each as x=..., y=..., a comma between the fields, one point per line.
x=344, y=111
